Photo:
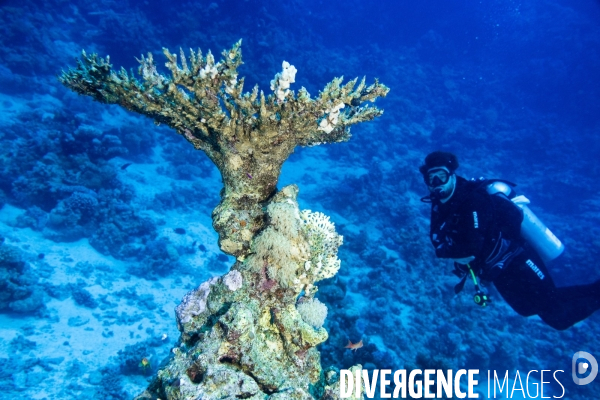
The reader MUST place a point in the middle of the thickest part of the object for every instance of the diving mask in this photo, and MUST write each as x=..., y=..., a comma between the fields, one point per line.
x=441, y=183
x=437, y=176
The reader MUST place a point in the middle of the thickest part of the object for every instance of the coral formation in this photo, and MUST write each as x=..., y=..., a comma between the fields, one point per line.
x=252, y=337
x=242, y=335
x=313, y=312
x=19, y=288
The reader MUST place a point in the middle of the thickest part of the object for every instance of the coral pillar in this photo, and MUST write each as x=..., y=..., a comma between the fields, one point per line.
x=243, y=335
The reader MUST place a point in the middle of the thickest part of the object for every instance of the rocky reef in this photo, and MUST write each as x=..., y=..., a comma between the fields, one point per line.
x=252, y=333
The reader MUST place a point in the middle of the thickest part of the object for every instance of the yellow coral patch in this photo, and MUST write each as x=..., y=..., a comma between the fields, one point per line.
x=235, y=161
x=229, y=246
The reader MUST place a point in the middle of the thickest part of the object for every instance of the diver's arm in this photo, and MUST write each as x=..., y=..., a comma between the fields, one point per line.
x=476, y=220
x=462, y=236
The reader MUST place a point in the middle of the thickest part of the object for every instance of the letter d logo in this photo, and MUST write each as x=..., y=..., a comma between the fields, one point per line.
x=582, y=367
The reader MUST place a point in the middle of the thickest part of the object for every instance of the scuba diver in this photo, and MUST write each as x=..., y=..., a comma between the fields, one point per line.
x=490, y=234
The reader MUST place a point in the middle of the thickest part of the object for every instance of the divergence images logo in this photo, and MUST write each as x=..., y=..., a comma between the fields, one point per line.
x=582, y=367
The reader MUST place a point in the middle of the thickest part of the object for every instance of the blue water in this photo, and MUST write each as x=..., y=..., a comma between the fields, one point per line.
x=105, y=218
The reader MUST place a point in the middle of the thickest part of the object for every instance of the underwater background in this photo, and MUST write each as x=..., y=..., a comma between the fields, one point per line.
x=105, y=218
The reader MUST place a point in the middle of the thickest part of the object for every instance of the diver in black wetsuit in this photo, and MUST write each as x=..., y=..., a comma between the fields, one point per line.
x=481, y=232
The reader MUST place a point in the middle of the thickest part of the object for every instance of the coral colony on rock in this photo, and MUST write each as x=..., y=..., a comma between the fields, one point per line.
x=253, y=332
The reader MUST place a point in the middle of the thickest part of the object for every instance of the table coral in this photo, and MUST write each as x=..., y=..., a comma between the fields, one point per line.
x=247, y=135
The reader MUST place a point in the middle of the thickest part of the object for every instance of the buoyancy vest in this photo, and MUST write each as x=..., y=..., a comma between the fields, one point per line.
x=499, y=230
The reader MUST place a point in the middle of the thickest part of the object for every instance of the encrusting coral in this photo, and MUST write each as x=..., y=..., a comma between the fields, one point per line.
x=242, y=335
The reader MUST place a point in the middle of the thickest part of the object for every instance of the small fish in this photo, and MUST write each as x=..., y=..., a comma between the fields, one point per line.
x=249, y=176
x=202, y=247
x=144, y=364
x=41, y=256
x=354, y=346
x=124, y=166
x=179, y=231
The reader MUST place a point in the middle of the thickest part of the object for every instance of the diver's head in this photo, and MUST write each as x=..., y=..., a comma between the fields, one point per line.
x=438, y=174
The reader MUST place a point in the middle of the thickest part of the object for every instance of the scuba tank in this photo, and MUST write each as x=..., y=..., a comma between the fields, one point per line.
x=534, y=231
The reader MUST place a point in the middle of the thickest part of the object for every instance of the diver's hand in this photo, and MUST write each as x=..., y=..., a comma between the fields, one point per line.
x=463, y=261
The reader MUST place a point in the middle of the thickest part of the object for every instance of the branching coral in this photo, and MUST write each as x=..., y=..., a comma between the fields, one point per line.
x=248, y=135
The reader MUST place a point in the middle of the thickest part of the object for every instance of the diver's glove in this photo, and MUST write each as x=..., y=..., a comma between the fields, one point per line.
x=461, y=270
x=463, y=261
x=460, y=265
x=520, y=200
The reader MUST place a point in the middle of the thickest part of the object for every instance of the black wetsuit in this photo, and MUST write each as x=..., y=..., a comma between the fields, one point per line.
x=474, y=223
